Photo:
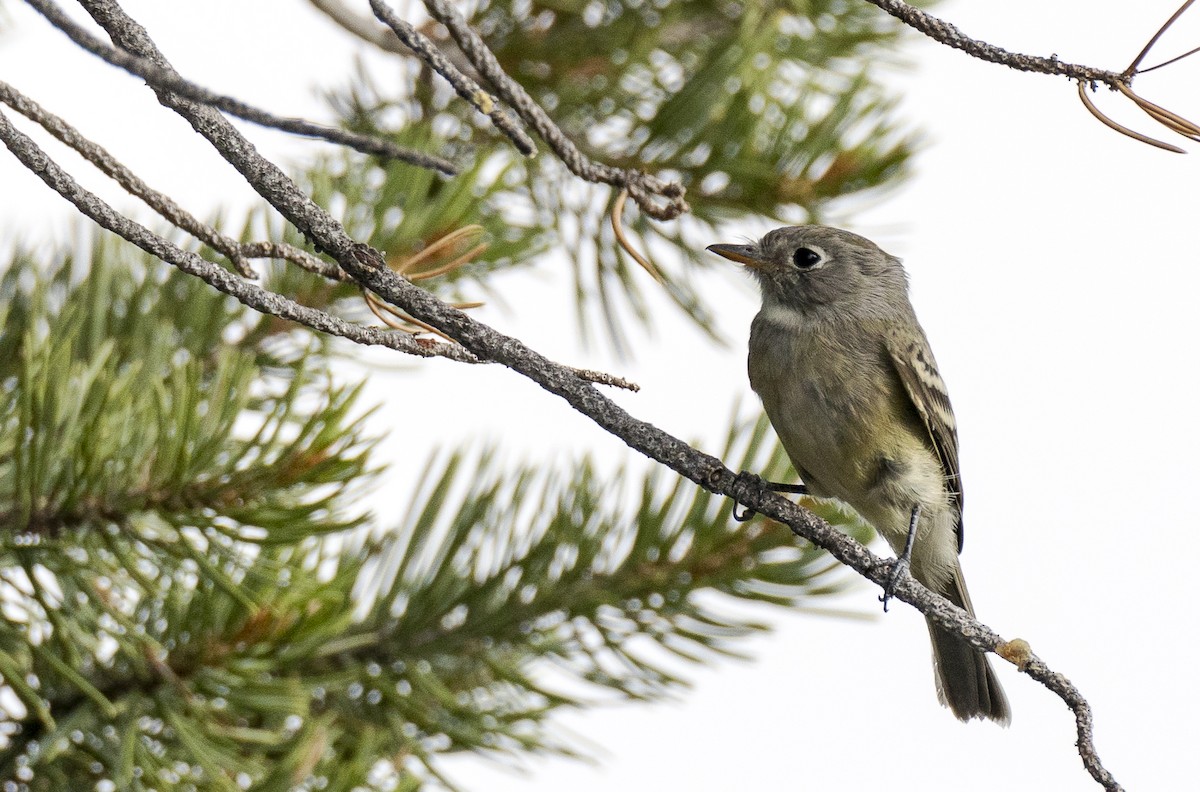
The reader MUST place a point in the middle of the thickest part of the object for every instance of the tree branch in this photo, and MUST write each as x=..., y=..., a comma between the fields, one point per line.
x=643, y=187
x=367, y=144
x=249, y=294
x=463, y=85
x=368, y=267
x=945, y=33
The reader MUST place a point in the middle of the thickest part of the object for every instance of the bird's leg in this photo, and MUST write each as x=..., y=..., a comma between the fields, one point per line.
x=773, y=486
x=903, y=561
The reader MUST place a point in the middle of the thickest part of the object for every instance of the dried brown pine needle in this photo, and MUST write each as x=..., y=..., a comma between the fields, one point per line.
x=1132, y=69
x=411, y=266
x=1124, y=130
x=397, y=319
x=1172, y=121
x=449, y=266
x=623, y=241
x=1168, y=62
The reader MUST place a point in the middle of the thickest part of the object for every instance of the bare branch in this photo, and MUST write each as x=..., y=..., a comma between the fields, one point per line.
x=370, y=270
x=945, y=33
x=367, y=144
x=600, y=378
x=643, y=187
x=463, y=85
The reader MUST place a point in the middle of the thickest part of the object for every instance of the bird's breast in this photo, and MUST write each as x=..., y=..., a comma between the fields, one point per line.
x=832, y=399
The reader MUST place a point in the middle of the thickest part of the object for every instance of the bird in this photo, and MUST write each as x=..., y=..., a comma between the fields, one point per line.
x=849, y=383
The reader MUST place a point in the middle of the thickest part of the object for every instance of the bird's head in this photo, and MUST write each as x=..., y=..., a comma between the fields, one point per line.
x=808, y=268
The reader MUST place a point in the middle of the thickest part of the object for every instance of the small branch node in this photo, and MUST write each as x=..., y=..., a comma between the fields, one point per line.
x=1017, y=651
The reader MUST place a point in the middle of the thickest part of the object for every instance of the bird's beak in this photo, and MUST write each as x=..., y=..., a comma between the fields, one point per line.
x=742, y=254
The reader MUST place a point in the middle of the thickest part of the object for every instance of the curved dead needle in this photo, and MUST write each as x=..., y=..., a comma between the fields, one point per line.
x=1172, y=121
x=623, y=241
x=424, y=265
x=398, y=320
x=1108, y=122
x=1129, y=72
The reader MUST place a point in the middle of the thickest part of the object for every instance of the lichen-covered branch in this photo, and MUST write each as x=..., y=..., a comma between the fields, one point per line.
x=463, y=85
x=945, y=33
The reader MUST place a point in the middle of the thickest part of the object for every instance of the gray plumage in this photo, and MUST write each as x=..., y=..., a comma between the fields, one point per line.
x=852, y=389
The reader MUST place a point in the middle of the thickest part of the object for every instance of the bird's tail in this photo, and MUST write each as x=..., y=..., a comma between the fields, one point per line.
x=966, y=682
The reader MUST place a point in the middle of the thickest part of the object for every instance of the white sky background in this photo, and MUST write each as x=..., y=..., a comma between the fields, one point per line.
x=1054, y=269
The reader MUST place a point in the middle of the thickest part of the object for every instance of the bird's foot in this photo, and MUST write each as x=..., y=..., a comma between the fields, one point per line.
x=902, y=566
x=745, y=479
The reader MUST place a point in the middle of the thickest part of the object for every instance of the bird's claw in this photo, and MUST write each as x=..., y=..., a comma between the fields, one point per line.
x=901, y=568
x=742, y=480
x=903, y=564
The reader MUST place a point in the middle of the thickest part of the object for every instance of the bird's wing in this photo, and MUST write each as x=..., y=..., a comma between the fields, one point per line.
x=913, y=361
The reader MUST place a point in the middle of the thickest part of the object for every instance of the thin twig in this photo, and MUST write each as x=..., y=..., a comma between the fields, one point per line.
x=301, y=258
x=463, y=85
x=1124, y=130
x=600, y=378
x=175, y=214
x=1132, y=68
x=369, y=269
x=367, y=144
x=646, y=189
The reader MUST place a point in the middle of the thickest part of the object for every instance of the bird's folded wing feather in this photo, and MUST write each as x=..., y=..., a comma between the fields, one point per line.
x=913, y=360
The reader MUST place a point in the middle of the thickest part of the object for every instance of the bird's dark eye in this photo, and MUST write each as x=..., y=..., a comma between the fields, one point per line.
x=806, y=258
